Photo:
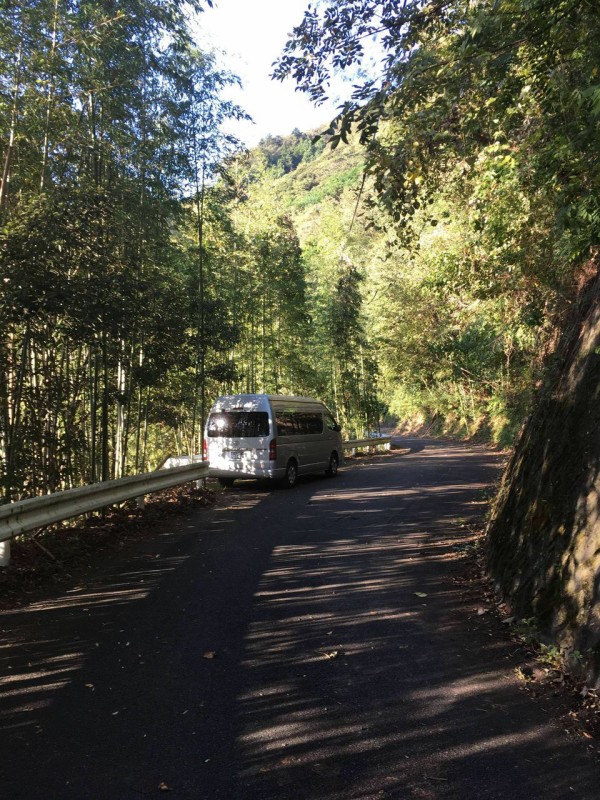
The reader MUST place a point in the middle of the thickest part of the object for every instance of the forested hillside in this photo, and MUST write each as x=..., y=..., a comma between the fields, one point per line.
x=482, y=148
x=109, y=130
x=310, y=323
x=416, y=260
x=144, y=270
x=447, y=324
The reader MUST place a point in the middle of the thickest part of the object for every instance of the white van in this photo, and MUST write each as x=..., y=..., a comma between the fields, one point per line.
x=271, y=436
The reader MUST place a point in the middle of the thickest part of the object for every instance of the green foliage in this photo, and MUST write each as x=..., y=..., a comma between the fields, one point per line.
x=302, y=308
x=285, y=153
x=483, y=148
x=526, y=629
x=107, y=118
x=333, y=186
x=419, y=267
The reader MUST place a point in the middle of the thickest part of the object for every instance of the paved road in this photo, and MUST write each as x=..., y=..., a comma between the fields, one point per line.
x=276, y=648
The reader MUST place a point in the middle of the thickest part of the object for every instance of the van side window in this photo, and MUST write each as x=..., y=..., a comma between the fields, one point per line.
x=285, y=424
x=331, y=423
x=309, y=423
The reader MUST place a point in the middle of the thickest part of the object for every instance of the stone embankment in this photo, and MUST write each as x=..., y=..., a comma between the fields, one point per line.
x=544, y=535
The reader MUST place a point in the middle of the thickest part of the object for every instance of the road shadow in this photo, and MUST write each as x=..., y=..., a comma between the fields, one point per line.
x=317, y=644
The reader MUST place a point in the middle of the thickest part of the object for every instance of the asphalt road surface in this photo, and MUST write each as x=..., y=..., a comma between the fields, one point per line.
x=312, y=644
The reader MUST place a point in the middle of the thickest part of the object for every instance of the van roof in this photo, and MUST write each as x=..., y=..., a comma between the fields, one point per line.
x=295, y=398
x=230, y=400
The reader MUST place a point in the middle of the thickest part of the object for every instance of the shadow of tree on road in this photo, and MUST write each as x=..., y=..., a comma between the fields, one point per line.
x=369, y=672
x=310, y=645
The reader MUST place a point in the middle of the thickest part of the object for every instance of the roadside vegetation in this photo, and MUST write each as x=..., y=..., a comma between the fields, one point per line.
x=417, y=260
x=482, y=146
x=144, y=268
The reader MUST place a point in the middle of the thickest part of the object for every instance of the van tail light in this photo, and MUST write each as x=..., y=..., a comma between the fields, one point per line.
x=204, y=450
x=273, y=450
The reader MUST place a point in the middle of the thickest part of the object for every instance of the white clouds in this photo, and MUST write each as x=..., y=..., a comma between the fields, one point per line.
x=250, y=35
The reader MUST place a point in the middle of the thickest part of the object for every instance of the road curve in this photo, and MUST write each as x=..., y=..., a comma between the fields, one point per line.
x=312, y=644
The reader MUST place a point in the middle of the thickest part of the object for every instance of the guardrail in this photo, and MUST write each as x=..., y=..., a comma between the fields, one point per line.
x=370, y=441
x=350, y=444
x=38, y=512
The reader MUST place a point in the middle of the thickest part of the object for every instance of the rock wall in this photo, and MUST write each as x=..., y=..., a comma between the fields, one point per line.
x=544, y=535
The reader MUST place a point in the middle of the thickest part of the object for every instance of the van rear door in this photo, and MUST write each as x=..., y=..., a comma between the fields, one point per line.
x=238, y=441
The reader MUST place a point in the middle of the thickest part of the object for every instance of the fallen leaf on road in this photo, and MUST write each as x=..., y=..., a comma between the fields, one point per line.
x=524, y=673
x=333, y=654
x=421, y=594
x=481, y=611
x=163, y=787
x=209, y=654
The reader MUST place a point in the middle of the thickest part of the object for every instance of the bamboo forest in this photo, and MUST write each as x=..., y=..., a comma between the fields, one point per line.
x=412, y=264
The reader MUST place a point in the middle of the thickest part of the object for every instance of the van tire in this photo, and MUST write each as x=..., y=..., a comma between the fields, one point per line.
x=332, y=469
x=291, y=475
x=225, y=482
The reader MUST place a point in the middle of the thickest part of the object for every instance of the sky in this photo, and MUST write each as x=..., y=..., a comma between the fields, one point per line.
x=248, y=36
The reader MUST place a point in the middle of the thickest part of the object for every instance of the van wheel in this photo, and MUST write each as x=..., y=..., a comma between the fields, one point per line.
x=332, y=469
x=225, y=482
x=291, y=475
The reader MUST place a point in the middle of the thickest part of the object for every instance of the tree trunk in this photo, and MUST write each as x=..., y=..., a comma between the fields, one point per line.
x=14, y=114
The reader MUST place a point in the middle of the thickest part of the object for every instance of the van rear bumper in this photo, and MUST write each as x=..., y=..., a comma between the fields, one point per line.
x=255, y=471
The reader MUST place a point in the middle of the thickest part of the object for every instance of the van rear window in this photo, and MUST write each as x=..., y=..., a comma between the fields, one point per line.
x=238, y=424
